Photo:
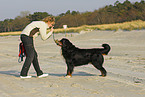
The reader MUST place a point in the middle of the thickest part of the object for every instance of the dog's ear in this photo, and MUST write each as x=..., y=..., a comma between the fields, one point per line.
x=64, y=43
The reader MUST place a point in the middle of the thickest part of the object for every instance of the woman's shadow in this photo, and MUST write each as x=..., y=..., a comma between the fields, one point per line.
x=11, y=72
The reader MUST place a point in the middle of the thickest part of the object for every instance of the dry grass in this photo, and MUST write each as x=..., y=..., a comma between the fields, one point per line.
x=133, y=25
x=10, y=33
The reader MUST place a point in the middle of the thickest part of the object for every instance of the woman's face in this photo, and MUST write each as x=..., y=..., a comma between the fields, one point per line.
x=50, y=24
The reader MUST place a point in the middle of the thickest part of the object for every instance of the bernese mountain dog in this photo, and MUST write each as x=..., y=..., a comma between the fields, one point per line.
x=75, y=56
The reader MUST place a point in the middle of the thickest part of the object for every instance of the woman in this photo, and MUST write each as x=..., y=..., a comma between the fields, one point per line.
x=27, y=36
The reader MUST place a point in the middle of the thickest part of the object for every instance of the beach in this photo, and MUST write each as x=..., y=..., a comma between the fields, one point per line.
x=125, y=65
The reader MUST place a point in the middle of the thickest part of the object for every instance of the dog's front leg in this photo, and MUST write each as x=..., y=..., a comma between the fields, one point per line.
x=69, y=70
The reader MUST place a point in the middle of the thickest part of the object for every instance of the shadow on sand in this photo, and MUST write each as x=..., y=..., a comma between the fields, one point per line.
x=75, y=74
x=11, y=72
x=17, y=74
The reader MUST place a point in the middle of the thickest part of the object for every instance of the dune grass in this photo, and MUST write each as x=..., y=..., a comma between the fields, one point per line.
x=133, y=25
x=10, y=33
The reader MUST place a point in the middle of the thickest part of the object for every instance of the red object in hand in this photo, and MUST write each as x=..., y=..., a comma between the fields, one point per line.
x=22, y=52
x=21, y=49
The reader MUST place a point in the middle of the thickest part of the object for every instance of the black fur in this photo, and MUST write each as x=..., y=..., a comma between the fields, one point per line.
x=75, y=56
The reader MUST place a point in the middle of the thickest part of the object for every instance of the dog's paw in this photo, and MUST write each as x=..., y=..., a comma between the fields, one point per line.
x=102, y=75
x=67, y=76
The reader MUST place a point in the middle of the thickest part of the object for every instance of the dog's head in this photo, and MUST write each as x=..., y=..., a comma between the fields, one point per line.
x=64, y=43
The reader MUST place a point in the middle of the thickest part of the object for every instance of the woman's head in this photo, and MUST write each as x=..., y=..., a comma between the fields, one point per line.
x=50, y=20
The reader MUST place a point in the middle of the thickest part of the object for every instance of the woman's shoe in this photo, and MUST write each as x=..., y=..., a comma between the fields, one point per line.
x=25, y=76
x=43, y=75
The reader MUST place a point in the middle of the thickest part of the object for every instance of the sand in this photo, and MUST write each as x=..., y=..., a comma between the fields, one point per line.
x=125, y=65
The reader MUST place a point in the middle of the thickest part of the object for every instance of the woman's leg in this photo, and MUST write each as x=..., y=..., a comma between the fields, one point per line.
x=36, y=64
x=29, y=48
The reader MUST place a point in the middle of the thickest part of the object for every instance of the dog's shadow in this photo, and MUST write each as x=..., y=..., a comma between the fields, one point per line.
x=17, y=74
x=74, y=74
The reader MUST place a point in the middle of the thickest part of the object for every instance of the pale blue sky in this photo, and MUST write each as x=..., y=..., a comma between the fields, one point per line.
x=12, y=8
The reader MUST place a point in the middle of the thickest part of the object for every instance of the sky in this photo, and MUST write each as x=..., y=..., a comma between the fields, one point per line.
x=9, y=9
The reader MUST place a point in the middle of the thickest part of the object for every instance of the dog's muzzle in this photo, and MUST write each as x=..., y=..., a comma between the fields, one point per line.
x=58, y=42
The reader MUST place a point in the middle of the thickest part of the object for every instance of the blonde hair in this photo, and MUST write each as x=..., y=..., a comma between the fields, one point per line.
x=49, y=18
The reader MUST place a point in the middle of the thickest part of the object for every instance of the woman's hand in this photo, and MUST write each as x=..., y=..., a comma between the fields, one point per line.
x=52, y=29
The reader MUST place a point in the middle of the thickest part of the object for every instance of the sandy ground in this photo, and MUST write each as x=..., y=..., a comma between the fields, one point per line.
x=125, y=65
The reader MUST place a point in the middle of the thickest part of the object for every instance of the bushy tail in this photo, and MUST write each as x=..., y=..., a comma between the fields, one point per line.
x=106, y=49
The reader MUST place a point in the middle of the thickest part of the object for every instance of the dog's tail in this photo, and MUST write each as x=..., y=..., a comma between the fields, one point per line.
x=106, y=49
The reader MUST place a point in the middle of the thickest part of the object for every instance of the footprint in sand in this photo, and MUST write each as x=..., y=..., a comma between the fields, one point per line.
x=54, y=85
x=75, y=85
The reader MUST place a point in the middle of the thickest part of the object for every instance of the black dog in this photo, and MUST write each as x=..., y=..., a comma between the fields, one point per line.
x=75, y=56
